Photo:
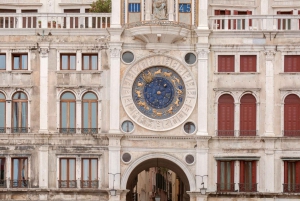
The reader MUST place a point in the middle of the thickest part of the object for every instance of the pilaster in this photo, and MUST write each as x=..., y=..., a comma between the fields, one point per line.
x=202, y=14
x=43, y=167
x=202, y=163
x=44, y=53
x=269, y=171
x=203, y=52
x=269, y=115
x=115, y=52
x=116, y=17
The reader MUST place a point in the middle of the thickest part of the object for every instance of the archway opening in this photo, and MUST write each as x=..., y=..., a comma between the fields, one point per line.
x=157, y=178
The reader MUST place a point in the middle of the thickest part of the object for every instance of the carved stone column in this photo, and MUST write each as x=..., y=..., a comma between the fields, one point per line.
x=116, y=17
x=115, y=50
x=171, y=10
x=202, y=163
x=202, y=89
x=202, y=14
x=269, y=112
x=44, y=90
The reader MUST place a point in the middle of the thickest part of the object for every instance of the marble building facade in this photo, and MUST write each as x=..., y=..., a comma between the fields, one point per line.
x=208, y=89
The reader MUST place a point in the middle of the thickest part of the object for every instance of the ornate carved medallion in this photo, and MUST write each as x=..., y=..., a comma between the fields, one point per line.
x=158, y=93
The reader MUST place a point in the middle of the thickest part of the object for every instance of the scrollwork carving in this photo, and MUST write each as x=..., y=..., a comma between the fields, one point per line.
x=115, y=53
x=203, y=53
x=44, y=52
x=270, y=55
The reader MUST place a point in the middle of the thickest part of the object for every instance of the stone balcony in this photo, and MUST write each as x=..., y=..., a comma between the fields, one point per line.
x=254, y=23
x=54, y=21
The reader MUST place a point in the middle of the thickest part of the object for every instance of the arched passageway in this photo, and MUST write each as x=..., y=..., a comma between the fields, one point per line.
x=161, y=165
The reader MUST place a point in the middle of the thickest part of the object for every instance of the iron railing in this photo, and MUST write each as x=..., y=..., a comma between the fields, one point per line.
x=248, y=187
x=23, y=183
x=67, y=130
x=225, y=133
x=67, y=184
x=2, y=130
x=247, y=132
x=89, y=130
x=159, y=23
x=19, y=130
x=291, y=133
x=225, y=187
x=2, y=183
x=254, y=22
x=291, y=188
x=89, y=183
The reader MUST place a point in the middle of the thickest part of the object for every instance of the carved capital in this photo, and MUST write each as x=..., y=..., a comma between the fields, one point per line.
x=44, y=52
x=115, y=52
x=203, y=53
x=270, y=55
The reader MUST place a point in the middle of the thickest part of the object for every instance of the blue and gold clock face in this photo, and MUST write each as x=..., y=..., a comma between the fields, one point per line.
x=158, y=92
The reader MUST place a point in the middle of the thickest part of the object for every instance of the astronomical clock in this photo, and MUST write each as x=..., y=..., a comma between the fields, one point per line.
x=158, y=93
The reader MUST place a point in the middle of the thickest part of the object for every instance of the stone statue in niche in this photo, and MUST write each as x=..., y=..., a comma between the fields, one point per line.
x=159, y=9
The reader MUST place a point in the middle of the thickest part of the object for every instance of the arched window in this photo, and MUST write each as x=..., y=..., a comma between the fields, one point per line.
x=248, y=115
x=2, y=113
x=226, y=116
x=67, y=113
x=292, y=115
x=89, y=113
x=20, y=113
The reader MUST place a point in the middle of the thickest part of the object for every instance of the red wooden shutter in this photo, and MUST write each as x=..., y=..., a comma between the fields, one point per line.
x=232, y=176
x=250, y=21
x=291, y=115
x=292, y=63
x=299, y=20
x=228, y=12
x=226, y=63
x=242, y=172
x=285, y=172
x=253, y=172
x=278, y=21
x=235, y=12
x=248, y=115
x=226, y=115
x=297, y=172
x=248, y=63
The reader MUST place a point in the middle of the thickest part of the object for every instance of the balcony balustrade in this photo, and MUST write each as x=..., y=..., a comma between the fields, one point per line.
x=225, y=187
x=291, y=188
x=247, y=187
x=291, y=133
x=23, y=183
x=254, y=22
x=67, y=184
x=89, y=183
x=55, y=20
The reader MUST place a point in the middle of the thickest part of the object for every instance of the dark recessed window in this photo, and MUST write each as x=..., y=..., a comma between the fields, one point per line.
x=89, y=62
x=20, y=62
x=189, y=159
x=68, y=61
x=127, y=57
x=126, y=157
x=127, y=126
x=2, y=61
x=190, y=58
x=189, y=127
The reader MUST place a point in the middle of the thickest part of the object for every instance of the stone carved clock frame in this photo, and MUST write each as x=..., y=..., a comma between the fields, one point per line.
x=158, y=124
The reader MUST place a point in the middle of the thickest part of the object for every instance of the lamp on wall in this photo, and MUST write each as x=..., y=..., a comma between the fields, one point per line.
x=202, y=190
x=113, y=191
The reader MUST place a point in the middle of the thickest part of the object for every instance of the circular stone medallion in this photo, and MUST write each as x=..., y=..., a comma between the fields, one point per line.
x=158, y=93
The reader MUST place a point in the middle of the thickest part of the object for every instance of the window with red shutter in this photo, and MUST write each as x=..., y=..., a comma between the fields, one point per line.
x=225, y=176
x=241, y=23
x=248, y=115
x=284, y=24
x=226, y=63
x=291, y=176
x=221, y=23
x=248, y=63
x=292, y=63
x=226, y=116
x=248, y=176
x=292, y=115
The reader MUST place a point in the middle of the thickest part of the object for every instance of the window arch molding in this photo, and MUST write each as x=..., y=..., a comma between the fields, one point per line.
x=21, y=90
x=248, y=93
x=286, y=94
x=5, y=94
x=221, y=93
x=60, y=93
x=83, y=92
